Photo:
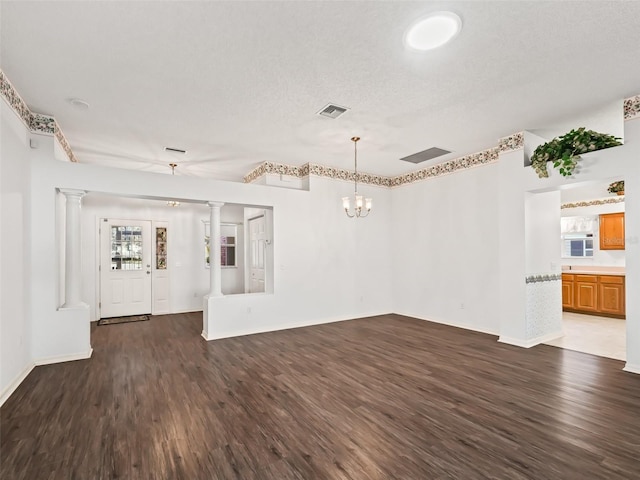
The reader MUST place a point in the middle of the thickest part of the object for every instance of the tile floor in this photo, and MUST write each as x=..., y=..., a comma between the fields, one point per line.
x=601, y=336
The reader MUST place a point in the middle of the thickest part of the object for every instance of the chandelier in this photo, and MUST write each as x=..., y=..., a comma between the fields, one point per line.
x=173, y=203
x=362, y=206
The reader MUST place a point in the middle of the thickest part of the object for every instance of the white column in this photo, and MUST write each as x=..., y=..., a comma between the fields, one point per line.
x=215, y=268
x=72, y=252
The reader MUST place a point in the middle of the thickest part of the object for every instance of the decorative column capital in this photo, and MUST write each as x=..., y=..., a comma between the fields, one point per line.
x=70, y=192
x=215, y=204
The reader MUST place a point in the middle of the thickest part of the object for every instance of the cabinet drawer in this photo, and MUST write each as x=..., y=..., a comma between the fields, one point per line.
x=612, y=279
x=586, y=278
x=567, y=277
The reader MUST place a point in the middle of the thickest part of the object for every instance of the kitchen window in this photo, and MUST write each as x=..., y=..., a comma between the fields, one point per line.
x=577, y=245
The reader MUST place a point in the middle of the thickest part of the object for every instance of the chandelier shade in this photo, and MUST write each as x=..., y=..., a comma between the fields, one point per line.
x=173, y=203
x=362, y=206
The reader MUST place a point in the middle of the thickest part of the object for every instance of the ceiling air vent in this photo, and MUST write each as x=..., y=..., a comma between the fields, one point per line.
x=428, y=154
x=174, y=150
x=332, y=111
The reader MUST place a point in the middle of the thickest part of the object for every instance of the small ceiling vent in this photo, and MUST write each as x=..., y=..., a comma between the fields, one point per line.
x=428, y=154
x=332, y=111
x=174, y=150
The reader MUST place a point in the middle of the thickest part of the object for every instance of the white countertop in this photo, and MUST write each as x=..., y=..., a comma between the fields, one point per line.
x=599, y=271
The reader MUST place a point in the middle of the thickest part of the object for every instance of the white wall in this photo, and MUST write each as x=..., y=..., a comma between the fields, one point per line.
x=445, y=249
x=328, y=267
x=15, y=329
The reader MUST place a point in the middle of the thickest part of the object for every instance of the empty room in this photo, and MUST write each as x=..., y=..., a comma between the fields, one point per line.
x=319, y=240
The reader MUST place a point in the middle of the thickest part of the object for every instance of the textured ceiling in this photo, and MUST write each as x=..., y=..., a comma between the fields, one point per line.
x=239, y=83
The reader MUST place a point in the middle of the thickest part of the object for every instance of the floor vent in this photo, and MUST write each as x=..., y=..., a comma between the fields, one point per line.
x=428, y=154
x=332, y=111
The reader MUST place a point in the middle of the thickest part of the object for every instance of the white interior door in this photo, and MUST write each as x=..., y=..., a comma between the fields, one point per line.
x=125, y=267
x=257, y=246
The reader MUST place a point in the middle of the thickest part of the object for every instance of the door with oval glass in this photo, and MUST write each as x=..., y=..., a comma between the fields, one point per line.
x=125, y=267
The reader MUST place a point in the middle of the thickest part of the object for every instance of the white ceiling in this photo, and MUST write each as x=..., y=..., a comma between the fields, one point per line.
x=239, y=83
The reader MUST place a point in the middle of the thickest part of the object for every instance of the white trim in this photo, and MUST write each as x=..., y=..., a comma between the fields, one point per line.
x=632, y=368
x=531, y=342
x=63, y=358
x=449, y=324
x=9, y=389
x=241, y=333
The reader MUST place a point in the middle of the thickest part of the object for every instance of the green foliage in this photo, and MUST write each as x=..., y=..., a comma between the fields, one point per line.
x=616, y=187
x=564, y=151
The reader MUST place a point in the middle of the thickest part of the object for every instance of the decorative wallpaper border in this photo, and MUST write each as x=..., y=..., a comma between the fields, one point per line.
x=317, y=170
x=513, y=142
x=35, y=122
x=14, y=99
x=553, y=277
x=468, y=161
x=590, y=203
x=632, y=107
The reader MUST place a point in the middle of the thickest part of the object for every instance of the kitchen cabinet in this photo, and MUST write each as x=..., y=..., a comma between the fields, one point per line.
x=586, y=293
x=612, y=231
x=594, y=294
x=611, y=295
x=567, y=292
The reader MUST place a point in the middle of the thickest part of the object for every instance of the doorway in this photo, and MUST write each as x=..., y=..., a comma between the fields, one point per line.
x=125, y=267
x=593, y=269
x=257, y=249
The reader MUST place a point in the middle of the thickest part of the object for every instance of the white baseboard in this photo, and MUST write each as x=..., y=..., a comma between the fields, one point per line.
x=241, y=333
x=632, y=368
x=64, y=358
x=6, y=393
x=449, y=324
x=531, y=342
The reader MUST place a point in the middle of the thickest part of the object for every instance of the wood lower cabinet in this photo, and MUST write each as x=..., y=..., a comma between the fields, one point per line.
x=611, y=295
x=594, y=294
x=567, y=292
x=586, y=293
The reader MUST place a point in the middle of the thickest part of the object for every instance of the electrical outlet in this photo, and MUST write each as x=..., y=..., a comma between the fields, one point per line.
x=462, y=306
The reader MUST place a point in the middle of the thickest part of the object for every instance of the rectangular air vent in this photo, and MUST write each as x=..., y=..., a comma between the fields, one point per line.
x=428, y=154
x=175, y=150
x=332, y=111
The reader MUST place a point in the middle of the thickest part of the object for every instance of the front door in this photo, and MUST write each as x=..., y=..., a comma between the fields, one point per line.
x=125, y=267
x=257, y=244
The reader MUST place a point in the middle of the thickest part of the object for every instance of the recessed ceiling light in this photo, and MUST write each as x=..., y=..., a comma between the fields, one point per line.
x=433, y=31
x=79, y=104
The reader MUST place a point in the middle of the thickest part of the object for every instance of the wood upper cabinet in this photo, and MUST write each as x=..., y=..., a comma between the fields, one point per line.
x=612, y=231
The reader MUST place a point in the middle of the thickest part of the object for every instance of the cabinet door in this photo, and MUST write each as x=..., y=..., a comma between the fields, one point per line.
x=611, y=295
x=612, y=231
x=567, y=294
x=586, y=295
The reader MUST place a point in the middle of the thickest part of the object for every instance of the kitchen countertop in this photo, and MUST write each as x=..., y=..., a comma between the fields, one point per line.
x=601, y=271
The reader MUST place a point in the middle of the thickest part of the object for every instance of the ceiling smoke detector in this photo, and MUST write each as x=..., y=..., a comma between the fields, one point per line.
x=174, y=150
x=332, y=111
x=428, y=154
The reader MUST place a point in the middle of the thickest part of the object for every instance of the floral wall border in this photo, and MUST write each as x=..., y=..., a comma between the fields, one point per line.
x=35, y=122
x=631, y=107
x=476, y=159
x=590, y=203
x=552, y=277
x=511, y=143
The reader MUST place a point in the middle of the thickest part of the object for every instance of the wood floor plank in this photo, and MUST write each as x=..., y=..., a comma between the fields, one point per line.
x=386, y=397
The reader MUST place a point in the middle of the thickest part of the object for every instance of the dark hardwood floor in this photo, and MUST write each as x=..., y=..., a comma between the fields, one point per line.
x=380, y=398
